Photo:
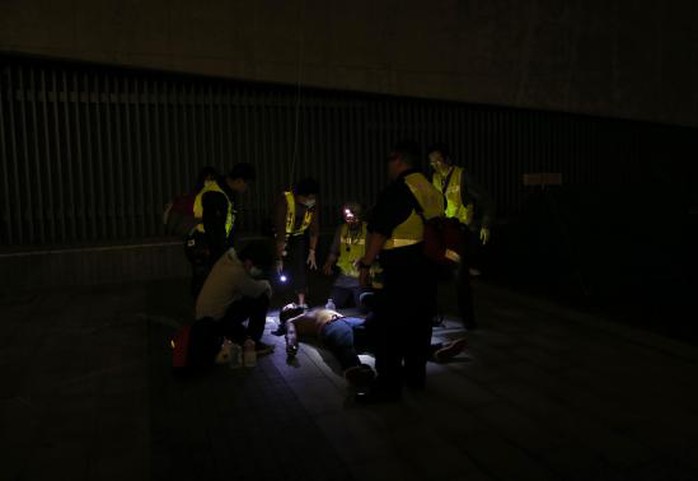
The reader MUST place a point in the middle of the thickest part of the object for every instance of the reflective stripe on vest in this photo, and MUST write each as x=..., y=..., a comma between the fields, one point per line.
x=212, y=186
x=454, y=202
x=291, y=216
x=351, y=250
x=411, y=231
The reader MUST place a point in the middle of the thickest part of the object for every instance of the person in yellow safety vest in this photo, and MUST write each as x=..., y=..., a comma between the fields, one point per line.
x=215, y=213
x=348, y=246
x=404, y=306
x=297, y=229
x=465, y=199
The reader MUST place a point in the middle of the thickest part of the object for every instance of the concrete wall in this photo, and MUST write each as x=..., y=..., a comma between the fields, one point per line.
x=620, y=58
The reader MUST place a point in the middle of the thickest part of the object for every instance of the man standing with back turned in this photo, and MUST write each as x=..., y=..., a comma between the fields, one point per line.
x=396, y=233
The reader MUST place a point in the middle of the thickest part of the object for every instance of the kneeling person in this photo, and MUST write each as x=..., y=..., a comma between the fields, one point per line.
x=234, y=293
x=334, y=330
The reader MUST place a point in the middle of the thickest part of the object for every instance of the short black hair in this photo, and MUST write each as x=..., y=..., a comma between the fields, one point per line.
x=205, y=173
x=260, y=252
x=409, y=152
x=307, y=186
x=440, y=147
x=242, y=170
x=289, y=311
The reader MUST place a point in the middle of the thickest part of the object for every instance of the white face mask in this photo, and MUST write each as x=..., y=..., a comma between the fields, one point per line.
x=256, y=272
x=309, y=203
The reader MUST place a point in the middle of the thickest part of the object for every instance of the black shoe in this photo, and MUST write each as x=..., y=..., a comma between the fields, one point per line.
x=359, y=376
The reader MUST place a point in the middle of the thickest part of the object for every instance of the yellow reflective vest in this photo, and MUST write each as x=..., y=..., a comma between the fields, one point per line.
x=411, y=231
x=452, y=192
x=291, y=216
x=351, y=249
x=212, y=186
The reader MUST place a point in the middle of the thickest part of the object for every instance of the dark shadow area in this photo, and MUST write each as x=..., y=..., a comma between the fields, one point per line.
x=617, y=253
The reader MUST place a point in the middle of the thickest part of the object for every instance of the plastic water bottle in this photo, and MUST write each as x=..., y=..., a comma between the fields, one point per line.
x=235, y=357
x=330, y=304
x=249, y=355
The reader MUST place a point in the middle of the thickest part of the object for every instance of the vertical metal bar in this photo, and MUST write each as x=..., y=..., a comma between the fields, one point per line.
x=69, y=177
x=227, y=120
x=91, y=160
x=213, y=132
x=39, y=213
x=28, y=211
x=219, y=126
x=8, y=224
x=79, y=181
x=187, y=135
x=152, y=177
x=59, y=201
x=99, y=161
x=176, y=135
x=50, y=206
x=193, y=128
x=136, y=179
x=166, y=110
x=128, y=184
x=113, y=129
x=121, y=143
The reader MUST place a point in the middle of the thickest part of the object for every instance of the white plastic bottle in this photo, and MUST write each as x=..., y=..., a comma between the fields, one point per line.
x=235, y=357
x=249, y=355
x=330, y=304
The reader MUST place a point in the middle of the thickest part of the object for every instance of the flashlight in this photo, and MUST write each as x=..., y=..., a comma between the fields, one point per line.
x=282, y=278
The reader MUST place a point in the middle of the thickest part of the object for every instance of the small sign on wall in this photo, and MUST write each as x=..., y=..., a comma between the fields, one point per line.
x=542, y=179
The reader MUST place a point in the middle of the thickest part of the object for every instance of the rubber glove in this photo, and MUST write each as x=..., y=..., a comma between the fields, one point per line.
x=484, y=235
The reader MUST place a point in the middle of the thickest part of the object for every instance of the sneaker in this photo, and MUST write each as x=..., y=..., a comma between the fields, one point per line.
x=262, y=349
x=450, y=350
x=359, y=376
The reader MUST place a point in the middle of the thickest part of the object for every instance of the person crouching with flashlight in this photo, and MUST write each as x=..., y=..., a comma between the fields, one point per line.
x=348, y=247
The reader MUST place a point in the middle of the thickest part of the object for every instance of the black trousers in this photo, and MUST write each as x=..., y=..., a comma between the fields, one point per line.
x=402, y=324
x=253, y=310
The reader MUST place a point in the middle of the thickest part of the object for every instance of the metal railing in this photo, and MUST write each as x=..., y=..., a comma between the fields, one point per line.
x=90, y=154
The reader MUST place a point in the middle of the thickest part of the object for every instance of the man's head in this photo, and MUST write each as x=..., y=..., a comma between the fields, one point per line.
x=240, y=177
x=205, y=174
x=439, y=158
x=306, y=191
x=351, y=212
x=404, y=156
x=257, y=257
x=289, y=311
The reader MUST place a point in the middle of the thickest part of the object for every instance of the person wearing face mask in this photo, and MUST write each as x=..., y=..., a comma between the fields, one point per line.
x=297, y=228
x=464, y=199
x=234, y=292
x=347, y=248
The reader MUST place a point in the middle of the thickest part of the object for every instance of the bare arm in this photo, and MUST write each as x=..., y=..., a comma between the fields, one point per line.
x=315, y=228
